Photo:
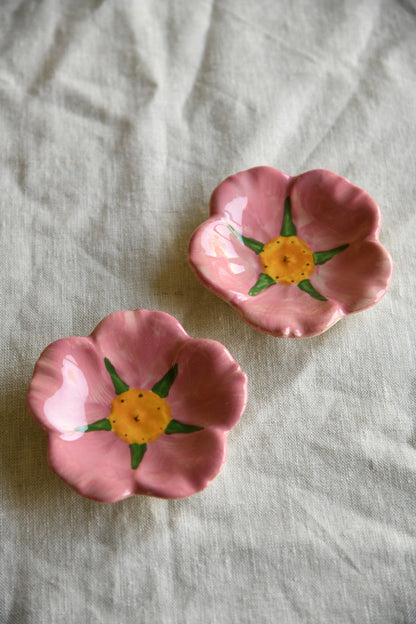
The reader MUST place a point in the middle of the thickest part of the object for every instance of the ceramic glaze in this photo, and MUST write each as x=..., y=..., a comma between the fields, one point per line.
x=292, y=255
x=137, y=407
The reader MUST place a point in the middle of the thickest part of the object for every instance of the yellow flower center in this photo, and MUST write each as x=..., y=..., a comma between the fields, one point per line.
x=139, y=416
x=287, y=259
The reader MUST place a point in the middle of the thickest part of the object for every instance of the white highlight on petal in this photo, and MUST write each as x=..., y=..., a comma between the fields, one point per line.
x=236, y=268
x=65, y=410
x=216, y=241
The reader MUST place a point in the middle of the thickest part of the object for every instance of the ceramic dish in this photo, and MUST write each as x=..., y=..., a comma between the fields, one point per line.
x=292, y=255
x=137, y=407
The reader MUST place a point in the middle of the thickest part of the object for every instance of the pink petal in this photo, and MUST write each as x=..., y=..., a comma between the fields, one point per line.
x=97, y=465
x=252, y=201
x=357, y=277
x=142, y=345
x=287, y=311
x=69, y=386
x=210, y=389
x=179, y=465
x=329, y=211
x=223, y=263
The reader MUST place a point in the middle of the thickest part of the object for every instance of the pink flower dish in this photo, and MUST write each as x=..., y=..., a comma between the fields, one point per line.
x=292, y=255
x=137, y=407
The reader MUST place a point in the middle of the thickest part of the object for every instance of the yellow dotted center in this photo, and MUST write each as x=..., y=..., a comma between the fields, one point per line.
x=139, y=416
x=287, y=259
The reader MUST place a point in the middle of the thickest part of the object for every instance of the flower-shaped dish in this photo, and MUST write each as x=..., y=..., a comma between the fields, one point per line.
x=292, y=255
x=137, y=407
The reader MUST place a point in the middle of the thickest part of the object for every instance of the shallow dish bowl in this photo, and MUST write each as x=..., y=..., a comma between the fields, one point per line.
x=292, y=255
x=137, y=407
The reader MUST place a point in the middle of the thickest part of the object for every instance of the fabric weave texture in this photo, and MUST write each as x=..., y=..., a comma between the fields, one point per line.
x=118, y=119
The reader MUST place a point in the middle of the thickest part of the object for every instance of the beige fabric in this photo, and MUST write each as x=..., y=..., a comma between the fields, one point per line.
x=118, y=118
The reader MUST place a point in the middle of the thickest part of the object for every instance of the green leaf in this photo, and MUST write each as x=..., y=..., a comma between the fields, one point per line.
x=320, y=257
x=306, y=286
x=264, y=281
x=252, y=243
x=119, y=385
x=163, y=386
x=99, y=425
x=177, y=427
x=137, y=452
x=288, y=227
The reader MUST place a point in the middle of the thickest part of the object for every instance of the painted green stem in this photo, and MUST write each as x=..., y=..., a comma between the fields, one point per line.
x=177, y=427
x=288, y=227
x=137, y=452
x=163, y=386
x=307, y=287
x=320, y=257
x=119, y=385
x=99, y=425
x=252, y=243
x=264, y=281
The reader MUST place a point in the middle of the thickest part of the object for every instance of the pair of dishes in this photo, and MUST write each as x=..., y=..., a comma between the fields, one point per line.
x=140, y=407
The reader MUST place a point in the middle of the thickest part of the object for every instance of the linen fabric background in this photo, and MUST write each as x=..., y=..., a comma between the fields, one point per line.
x=118, y=119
